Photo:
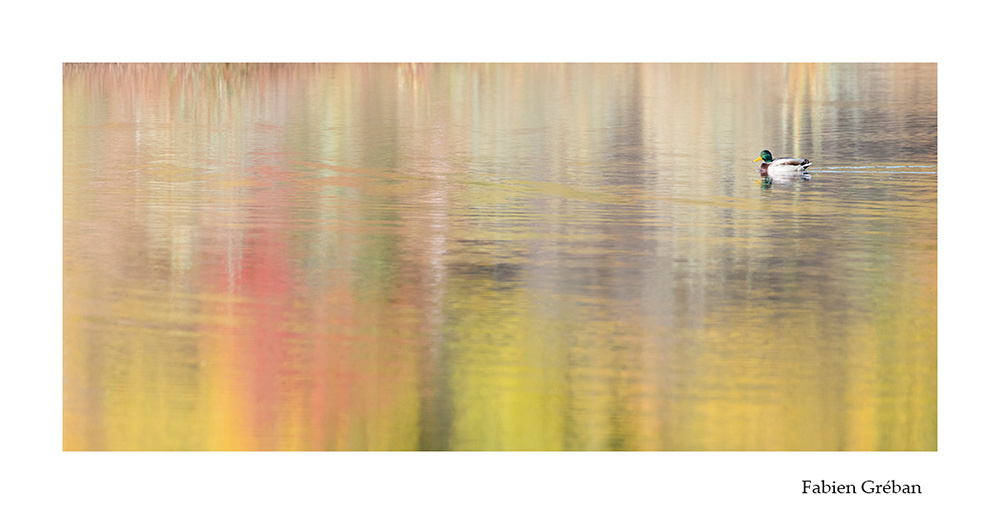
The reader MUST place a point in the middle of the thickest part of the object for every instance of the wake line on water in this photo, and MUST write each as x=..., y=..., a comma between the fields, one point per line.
x=877, y=169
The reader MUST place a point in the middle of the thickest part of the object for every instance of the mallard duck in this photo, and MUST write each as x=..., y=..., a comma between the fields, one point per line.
x=783, y=167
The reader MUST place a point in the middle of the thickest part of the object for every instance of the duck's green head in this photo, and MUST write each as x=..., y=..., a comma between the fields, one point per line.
x=764, y=156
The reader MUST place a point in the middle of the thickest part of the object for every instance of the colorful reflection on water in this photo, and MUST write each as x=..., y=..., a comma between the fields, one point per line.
x=499, y=257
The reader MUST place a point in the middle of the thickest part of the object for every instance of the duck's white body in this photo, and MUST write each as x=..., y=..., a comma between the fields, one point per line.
x=784, y=167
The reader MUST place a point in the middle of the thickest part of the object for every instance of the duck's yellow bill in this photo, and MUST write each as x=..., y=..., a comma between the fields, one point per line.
x=758, y=159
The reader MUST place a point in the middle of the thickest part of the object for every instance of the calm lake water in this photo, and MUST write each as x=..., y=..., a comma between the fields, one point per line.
x=499, y=257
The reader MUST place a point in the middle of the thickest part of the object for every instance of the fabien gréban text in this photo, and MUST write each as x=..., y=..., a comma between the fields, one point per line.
x=866, y=487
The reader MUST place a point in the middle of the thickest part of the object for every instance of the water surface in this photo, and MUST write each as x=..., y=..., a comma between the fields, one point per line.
x=499, y=257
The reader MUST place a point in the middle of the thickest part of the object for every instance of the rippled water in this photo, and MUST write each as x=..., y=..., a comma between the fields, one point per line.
x=499, y=257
